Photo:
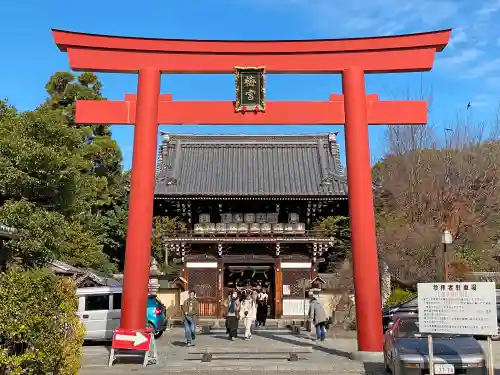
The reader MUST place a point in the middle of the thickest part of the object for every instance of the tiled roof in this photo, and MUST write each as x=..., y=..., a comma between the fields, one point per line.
x=250, y=165
x=60, y=267
x=8, y=232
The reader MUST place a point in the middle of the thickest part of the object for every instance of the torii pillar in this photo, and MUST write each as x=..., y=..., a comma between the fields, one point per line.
x=353, y=58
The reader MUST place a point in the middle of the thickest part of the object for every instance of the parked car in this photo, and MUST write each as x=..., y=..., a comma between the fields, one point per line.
x=409, y=308
x=406, y=351
x=99, y=308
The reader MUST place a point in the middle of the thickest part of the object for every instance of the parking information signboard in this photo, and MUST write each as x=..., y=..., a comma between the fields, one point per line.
x=467, y=308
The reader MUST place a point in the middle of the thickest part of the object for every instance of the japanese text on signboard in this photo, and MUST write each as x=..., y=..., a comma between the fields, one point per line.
x=250, y=89
x=457, y=308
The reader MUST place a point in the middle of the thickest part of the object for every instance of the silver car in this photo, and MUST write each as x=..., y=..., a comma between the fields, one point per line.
x=406, y=351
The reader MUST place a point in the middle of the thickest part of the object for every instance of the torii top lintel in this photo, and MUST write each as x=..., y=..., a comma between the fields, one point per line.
x=104, y=53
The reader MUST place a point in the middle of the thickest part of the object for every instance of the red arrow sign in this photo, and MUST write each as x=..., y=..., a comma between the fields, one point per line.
x=130, y=339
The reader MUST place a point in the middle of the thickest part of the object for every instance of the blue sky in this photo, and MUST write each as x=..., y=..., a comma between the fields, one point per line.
x=467, y=71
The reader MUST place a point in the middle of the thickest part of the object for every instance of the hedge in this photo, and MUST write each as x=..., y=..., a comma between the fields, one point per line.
x=399, y=295
x=40, y=332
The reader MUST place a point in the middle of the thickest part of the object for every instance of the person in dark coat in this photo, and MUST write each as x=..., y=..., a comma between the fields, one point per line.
x=261, y=308
x=232, y=313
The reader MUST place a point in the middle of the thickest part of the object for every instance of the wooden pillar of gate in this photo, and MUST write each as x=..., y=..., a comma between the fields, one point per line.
x=314, y=269
x=220, y=288
x=278, y=293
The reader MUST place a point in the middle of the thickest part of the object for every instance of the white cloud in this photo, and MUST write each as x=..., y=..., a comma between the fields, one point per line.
x=493, y=82
x=489, y=7
x=484, y=68
x=458, y=36
x=459, y=59
x=473, y=47
x=369, y=17
x=474, y=40
x=482, y=100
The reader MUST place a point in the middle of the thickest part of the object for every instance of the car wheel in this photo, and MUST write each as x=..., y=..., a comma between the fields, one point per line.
x=158, y=335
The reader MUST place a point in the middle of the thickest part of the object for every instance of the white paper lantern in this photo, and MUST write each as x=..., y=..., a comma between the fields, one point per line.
x=238, y=217
x=249, y=218
x=199, y=229
x=242, y=228
x=293, y=218
x=261, y=217
x=220, y=228
x=300, y=228
x=204, y=218
x=272, y=217
x=277, y=228
x=255, y=228
x=289, y=229
x=232, y=228
x=265, y=228
x=210, y=228
x=226, y=218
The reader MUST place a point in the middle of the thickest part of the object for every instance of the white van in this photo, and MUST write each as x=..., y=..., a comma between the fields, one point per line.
x=99, y=308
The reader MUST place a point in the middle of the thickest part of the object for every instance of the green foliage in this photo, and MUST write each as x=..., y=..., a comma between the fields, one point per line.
x=164, y=227
x=471, y=256
x=399, y=295
x=338, y=230
x=40, y=332
x=46, y=235
x=61, y=184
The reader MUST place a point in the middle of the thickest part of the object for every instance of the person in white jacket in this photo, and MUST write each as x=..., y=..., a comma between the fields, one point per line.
x=248, y=313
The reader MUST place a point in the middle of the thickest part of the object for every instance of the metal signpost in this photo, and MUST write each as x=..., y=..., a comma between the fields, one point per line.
x=133, y=343
x=467, y=308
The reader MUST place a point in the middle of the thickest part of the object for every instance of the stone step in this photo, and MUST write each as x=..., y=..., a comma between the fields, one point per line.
x=256, y=331
x=250, y=349
x=269, y=322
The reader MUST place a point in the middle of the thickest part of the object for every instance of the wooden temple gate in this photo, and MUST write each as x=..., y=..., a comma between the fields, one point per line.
x=205, y=276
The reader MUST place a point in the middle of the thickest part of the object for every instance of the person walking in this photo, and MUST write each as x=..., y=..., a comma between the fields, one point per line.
x=317, y=316
x=191, y=311
x=248, y=312
x=261, y=308
x=233, y=308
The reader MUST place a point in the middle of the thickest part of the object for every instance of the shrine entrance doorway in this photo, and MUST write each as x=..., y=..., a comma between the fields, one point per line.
x=246, y=278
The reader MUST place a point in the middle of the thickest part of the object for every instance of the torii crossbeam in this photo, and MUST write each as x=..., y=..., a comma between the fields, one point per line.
x=278, y=113
x=352, y=58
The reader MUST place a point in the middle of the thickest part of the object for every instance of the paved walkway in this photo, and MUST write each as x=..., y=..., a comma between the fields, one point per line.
x=329, y=356
x=174, y=357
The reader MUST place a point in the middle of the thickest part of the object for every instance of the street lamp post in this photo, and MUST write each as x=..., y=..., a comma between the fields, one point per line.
x=446, y=239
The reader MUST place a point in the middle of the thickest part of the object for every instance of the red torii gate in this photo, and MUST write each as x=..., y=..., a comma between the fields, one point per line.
x=350, y=57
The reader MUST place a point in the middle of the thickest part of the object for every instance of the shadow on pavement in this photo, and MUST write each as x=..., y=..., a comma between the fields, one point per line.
x=318, y=347
x=100, y=344
x=178, y=343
